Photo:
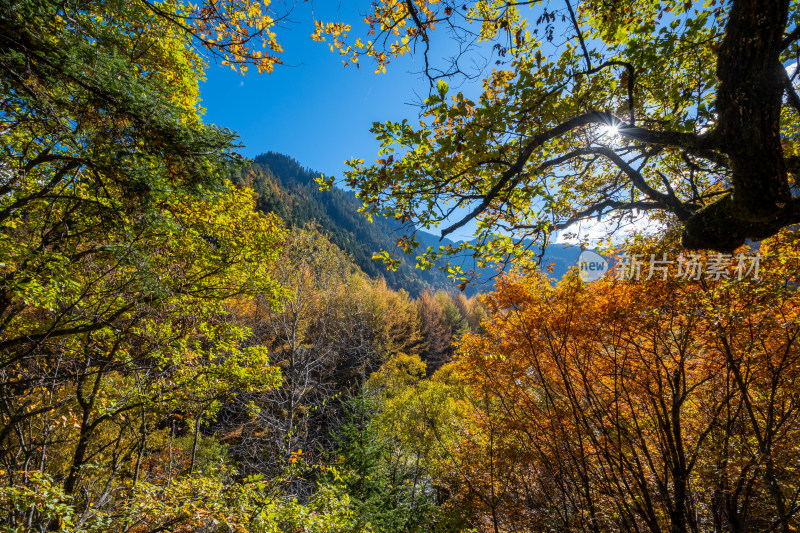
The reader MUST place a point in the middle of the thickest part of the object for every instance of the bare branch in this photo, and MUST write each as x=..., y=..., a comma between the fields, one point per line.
x=580, y=35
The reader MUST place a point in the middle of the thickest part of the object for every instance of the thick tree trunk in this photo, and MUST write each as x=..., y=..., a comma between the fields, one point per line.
x=748, y=103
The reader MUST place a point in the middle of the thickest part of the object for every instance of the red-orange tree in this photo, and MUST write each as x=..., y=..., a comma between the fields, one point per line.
x=653, y=405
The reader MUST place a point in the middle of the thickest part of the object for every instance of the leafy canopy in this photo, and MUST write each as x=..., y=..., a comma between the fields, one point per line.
x=664, y=404
x=593, y=109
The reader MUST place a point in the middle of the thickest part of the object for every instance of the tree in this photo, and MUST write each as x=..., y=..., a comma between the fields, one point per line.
x=687, y=112
x=388, y=487
x=409, y=438
x=96, y=407
x=435, y=330
x=120, y=243
x=101, y=126
x=335, y=328
x=660, y=405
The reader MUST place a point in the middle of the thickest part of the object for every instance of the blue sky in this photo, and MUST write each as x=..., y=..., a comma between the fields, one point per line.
x=317, y=111
x=312, y=108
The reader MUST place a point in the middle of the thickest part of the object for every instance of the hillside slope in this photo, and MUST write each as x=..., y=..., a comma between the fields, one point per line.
x=288, y=189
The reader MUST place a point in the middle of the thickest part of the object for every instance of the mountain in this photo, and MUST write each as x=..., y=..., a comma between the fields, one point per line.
x=289, y=190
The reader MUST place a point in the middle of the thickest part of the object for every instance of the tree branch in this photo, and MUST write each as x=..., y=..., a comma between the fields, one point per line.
x=689, y=141
x=790, y=38
x=631, y=78
x=791, y=94
x=669, y=200
x=412, y=10
x=605, y=204
x=580, y=35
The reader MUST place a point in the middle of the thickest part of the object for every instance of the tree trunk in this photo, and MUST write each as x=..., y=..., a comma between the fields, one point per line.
x=748, y=102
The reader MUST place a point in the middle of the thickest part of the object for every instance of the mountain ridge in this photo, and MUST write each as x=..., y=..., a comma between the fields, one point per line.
x=289, y=190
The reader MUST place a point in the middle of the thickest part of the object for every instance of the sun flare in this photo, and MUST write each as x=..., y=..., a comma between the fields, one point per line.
x=609, y=130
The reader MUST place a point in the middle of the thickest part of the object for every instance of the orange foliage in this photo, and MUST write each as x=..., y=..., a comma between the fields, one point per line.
x=658, y=405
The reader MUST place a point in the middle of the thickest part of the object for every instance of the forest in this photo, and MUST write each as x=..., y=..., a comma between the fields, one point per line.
x=194, y=341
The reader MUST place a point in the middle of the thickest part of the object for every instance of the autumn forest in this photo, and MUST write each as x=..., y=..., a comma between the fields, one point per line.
x=195, y=340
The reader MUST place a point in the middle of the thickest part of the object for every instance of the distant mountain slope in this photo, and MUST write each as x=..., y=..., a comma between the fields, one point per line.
x=562, y=257
x=288, y=189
